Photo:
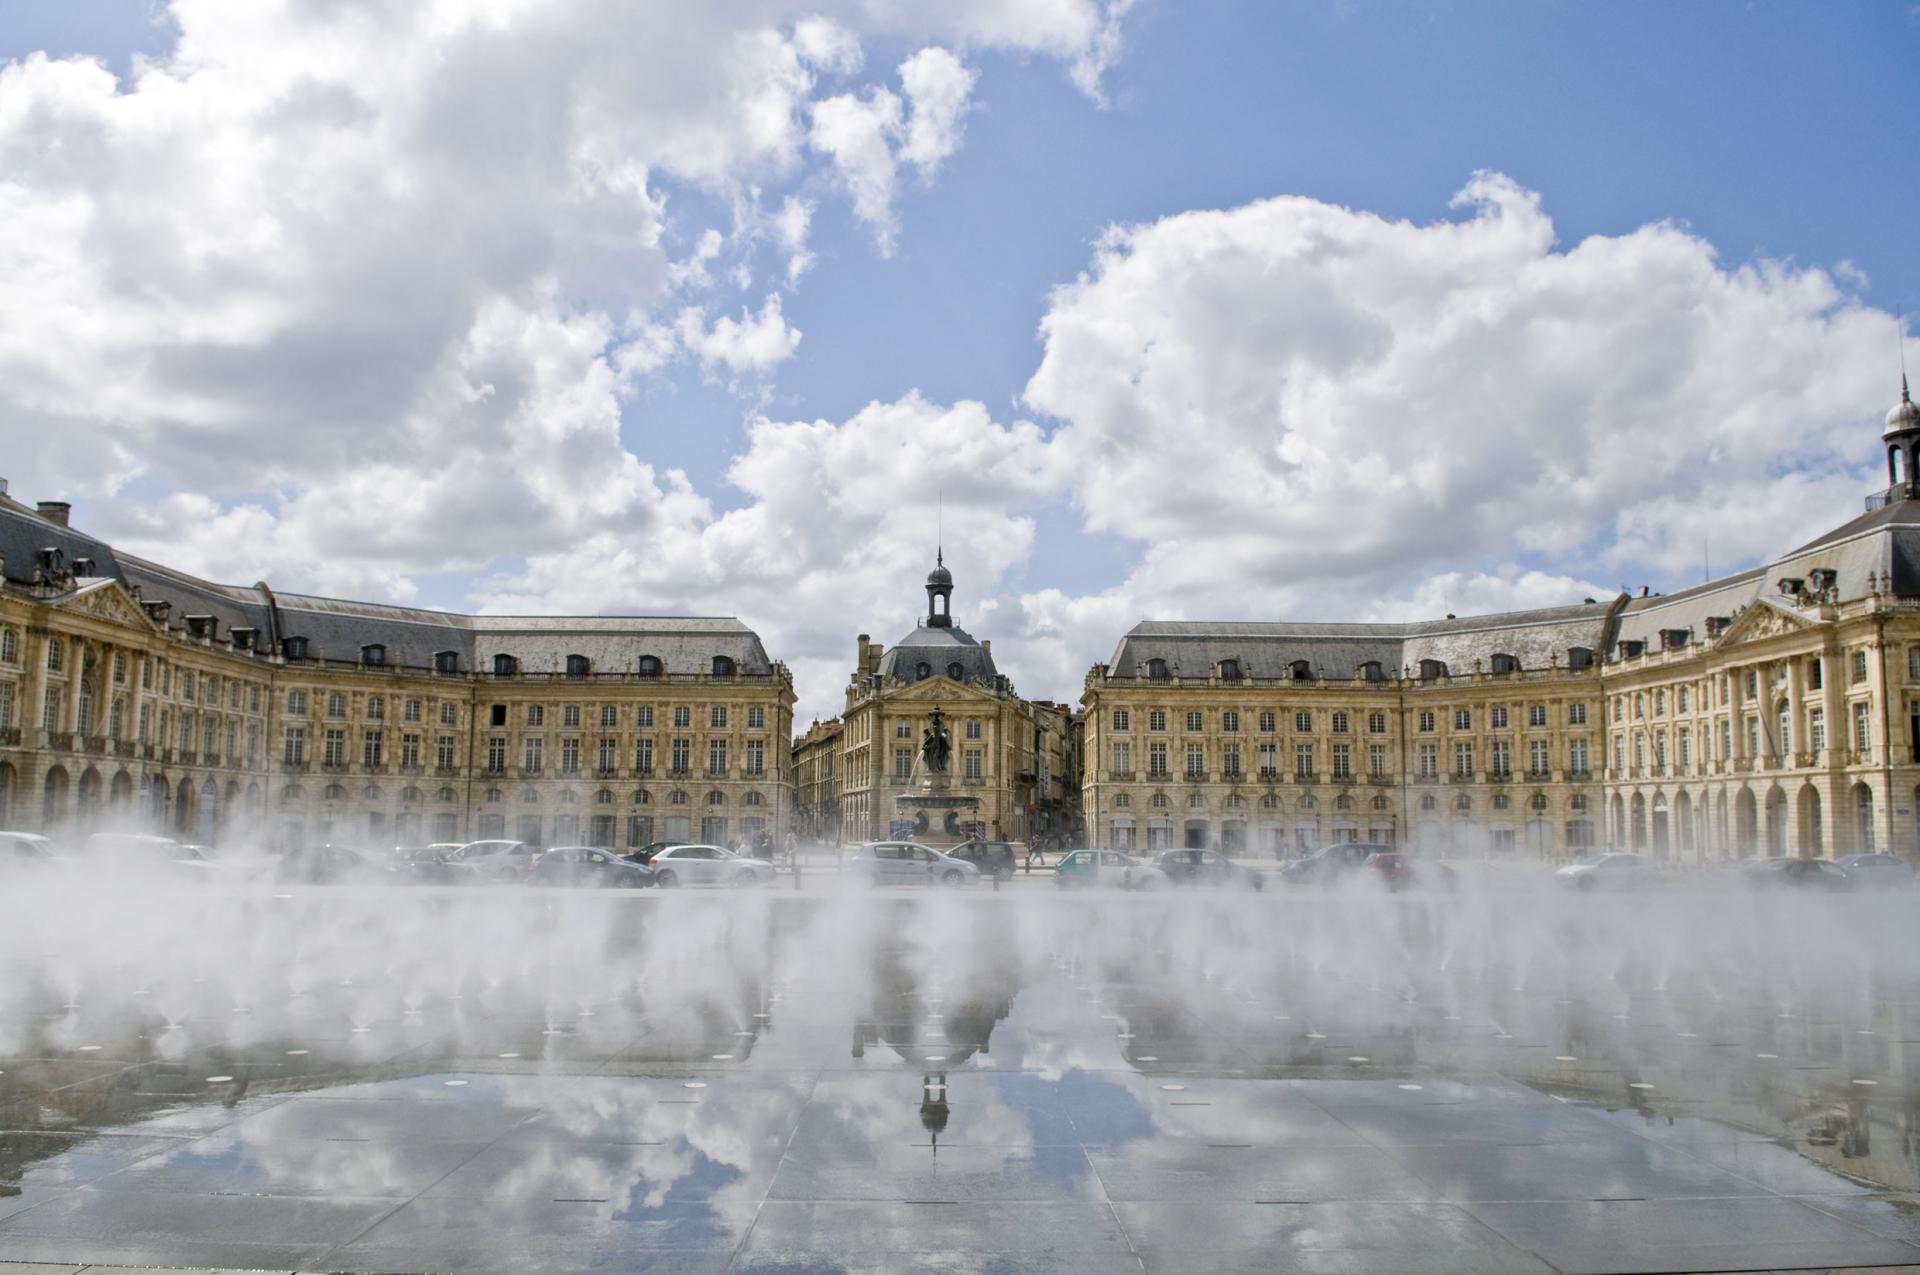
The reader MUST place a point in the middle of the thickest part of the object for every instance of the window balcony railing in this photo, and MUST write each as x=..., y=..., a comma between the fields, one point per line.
x=333, y=768
x=1499, y=776
x=1461, y=777
x=643, y=772
x=189, y=759
x=1196, y=776
x=1120, y=776
x=1306, y=777
x=373, y=768
x=1426, y=778
x=293, y=767
x=1269, y=772
x=531, y=772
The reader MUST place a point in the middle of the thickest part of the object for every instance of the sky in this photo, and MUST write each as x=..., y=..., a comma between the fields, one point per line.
x=1224, y=309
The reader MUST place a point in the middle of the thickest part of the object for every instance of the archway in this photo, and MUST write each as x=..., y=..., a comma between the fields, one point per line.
x=184, y=806
x=1863, y=818
x=1812, y=836
x=91, y=789
x=120, y=791
x=1717, y=835
x=1661, y=836
x=1637, y=836
x=1683, y=821
x=1746, y=823
x=53, y=798
x=1776, y=822
x=210, y=812
x=158, y=796
x=7, y=782
x=1617, y=823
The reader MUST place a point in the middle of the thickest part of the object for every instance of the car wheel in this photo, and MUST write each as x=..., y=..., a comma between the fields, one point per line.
x=1586, y=883
x=952, y=876
x=744, y=877
x=667, y=879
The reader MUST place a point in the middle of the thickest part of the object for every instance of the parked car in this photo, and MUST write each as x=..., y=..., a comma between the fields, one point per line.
x=137, y=850
x=1609, y=872
x=589, y=866
x=707, y=865
x=908, y=863
x=645, y=853
x=1084, y=869
x=433, y=865
x=1876, y=871
x=502, y=862
x=27, y=851
x=1207, y=867
x=1399, y=870
x=992, y=858
x=1785, y=873
x=1331, y=864
x=336, y=865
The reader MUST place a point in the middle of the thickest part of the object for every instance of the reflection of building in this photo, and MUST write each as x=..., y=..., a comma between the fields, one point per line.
x=816, y=786
x=1775, y=710
x=1008, y=757
x=131, y=691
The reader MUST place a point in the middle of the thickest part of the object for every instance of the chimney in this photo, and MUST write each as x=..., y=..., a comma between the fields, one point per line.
x=55, y=511
x=860, y=655
x=987, y=646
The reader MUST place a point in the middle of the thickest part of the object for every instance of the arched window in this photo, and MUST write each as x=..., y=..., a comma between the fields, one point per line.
x=334, y=792
x=1269, y=802
x=1538, y=801
x=603, y=798
x=641, y=797
x=295, y=648
x=446, y=661
x=1463, y=802
x=1579, y=657
x=409, y=794
x=755, y=799
x=676, y=798
x=1307, y=802
x=1428, y=803
x=371, y=792
x=1372, y=672
x=569, y=797
x=292, y=792
x=1157, y=669
x=504, y=665
x=445, y=794
x=494, y=795
x=716, y=798
x=722, y=666
x=1159, y=801
x=1343, y=802
x=1379, y=803
x=1500, y=801
x=578, y=666
x=957, y=671
x=1122, y=801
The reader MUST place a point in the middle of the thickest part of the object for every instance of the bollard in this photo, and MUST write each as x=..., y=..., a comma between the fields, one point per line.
x=796, y=872
x=996, y=883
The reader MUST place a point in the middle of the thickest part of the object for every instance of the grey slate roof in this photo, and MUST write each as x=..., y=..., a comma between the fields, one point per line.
x=938, y=647
x=336, y=629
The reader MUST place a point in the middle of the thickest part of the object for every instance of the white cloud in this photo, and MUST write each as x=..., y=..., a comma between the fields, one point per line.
x=751, y=343
x=938, y=90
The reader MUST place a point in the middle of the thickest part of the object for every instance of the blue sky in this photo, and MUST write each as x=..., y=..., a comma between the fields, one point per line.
x=1765, y=132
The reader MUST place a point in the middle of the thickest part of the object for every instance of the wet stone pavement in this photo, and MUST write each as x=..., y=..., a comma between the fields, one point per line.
x=1053, y=1100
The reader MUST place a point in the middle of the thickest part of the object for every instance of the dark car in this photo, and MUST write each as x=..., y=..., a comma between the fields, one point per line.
x=1332, y=864
x=1794, y=874
x=430, y=865
x=336, y=865
x=993, y=858
x=645, y=853
x=589, y=866
x=1399, y=870
x=1876, y=871
x=1207, y=867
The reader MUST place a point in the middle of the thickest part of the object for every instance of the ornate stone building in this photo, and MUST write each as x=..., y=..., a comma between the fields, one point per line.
x=134, y=694
x=1774, y=711
x=816, y=781
x=1009, y=758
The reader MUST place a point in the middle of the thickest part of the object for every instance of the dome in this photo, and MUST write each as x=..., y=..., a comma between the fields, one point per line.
x=1905, y=414
x=940, y=576
x=939, y=650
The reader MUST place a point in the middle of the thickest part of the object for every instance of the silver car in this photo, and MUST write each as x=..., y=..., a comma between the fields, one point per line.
x=908, y=863
x=707, y=865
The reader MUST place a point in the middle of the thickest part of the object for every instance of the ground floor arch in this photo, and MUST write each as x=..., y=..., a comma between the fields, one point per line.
x=1776, y=821
x=1863, y=840
x=1812, y=838
x=1746, y=823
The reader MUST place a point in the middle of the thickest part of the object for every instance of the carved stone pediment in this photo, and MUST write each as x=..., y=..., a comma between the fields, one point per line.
x=106, y=600
x=1767, y=619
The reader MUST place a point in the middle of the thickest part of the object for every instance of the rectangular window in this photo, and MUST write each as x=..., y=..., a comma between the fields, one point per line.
x=1501, y=757
x=973, y=729
x=1123, y=759
x=1376, y=723
x=1230, y=722
x=536, y=715
x=371, y=745
x=496, y=755
x=1303, y=760
x=1196, y=761
x=1157, y=760
x=1267, y=720
x=1463, y=719
x=1536, y=714
x=643, y=756
x=1269, y=760
x=756, y=757
x=609, y=754
x=1684, y=745
x=532, y=755
x=449, y=715
x=902, y=763
x=682, y=717
x=1817, y=728
x=410, y=751
x=296, y=703
x=1862, y=728
x=972, y=764
x=496, y=715
x=1579, y=834
x=1377, y=760
x=376, y=708
x=570, y=756
x=293, y=747
x=336, y=705
x=717, y=717
x=1429, y=761
x=609, y=716
x=1463, y=760
x=716, y=757
x=756, y=718
x=1913, y=665
x=903, y=730
x=1577, y=761
x=443, y=752
x=1340, y=723
x=336, y=748
x=1343, y=761
x=1859, y=667
x=682, y=756
x=1121, y=721
x=1426, y=720
x=1499, y=719
x=1157, y=719
x=643, y=717
x=1753, y=737
x=410, y=710
x=1230, y=761
x=1194, y=721
x=1639, y=751
x=1753, y=684
x=1303, y=721
x=1576, y=714
x=1537, y=758
x=570, y=715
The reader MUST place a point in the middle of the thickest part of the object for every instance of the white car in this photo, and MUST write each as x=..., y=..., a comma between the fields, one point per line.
x=908, y=863
x=707, y=865
x=1609, y=872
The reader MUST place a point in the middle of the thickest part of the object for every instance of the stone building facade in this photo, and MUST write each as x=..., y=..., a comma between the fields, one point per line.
x=132, y=694
x=816, y=781
x=1776, y=711
x=1010, y=761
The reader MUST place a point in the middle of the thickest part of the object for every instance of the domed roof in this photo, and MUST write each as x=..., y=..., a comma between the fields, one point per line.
x=1905, y=415
x=941, y=650
x=940, y=576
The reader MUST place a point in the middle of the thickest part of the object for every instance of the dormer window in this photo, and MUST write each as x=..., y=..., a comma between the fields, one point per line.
x=1157, y=669
x=446, y=661
x=922, y=671
x=578, y=666
x=1372, y=672
x=649, y=666
x=1432, y=669
x=1229, y=670
x=505, y=666
x=242, y=639
x=200, y=626
x=1579, y=657
x=1503, y=664
x=957, y=671
x=373, y=655
x=294, y=648
x=722, y=666
x=1300, y=671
